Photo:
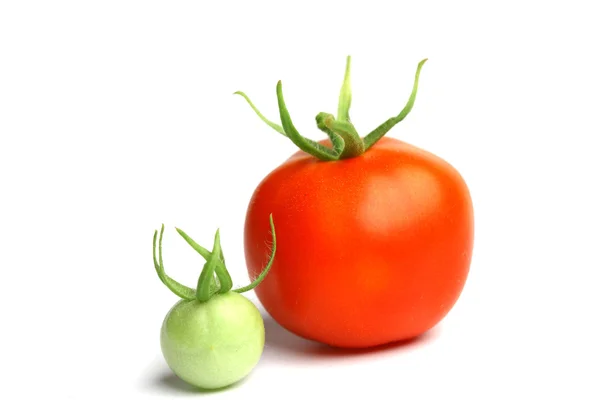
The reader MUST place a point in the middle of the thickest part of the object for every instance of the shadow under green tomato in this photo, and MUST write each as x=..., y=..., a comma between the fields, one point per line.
x=168, y=382
x=281, y=342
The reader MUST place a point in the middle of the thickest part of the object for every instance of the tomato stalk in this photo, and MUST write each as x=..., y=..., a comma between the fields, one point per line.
x=354, y=145
x=345, y=95
x=214, y=277
x=346, y=141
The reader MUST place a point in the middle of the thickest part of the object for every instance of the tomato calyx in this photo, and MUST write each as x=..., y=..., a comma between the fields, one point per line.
x=214, y=277
x=346, y=141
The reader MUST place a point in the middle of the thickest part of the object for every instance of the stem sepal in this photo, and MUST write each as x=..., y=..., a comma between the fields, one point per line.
x=214, y=277
x=346, y=141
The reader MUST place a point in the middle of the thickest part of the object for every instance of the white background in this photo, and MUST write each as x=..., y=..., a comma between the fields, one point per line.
x=117, y=116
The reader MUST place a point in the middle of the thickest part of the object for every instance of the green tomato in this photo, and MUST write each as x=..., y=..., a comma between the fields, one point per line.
x=213, y=344
x=213, y=337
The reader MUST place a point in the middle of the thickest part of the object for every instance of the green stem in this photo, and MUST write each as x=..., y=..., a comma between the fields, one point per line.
x=260, y=115
x=203, y=290
x=384, y=128
x=346, y=141
x=180, y=290
x=265, y=270
x=345, y=99
x=225, y=282
x=207, y=285
x=336, y=140
x=309, y=146
x=289, y=130
x=353, y=144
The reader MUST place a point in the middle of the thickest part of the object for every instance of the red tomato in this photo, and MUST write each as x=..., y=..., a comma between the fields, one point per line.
x=370, y=250
x=374, y=235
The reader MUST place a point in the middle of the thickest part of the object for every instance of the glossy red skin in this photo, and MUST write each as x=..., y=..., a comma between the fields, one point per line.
x=370, y=250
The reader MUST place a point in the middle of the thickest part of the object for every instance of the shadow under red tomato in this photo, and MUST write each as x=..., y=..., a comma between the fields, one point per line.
x=280, y=341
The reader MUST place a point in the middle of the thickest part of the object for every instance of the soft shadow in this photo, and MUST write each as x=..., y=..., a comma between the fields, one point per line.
x=279, y=341
x=170, y=383
x=329, y=351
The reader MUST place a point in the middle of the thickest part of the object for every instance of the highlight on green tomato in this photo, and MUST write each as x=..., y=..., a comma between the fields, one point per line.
x=213, y=337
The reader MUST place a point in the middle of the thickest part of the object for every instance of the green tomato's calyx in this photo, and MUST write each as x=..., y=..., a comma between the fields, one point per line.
x=214, y=277
x=345, y=140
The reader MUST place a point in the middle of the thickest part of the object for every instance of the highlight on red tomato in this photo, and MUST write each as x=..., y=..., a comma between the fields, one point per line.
x=375, y=234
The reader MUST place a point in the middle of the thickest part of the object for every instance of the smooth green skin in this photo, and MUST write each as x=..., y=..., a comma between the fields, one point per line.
x=213, y=344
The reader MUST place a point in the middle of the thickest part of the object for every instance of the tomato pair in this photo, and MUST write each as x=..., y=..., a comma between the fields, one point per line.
x=374, y=243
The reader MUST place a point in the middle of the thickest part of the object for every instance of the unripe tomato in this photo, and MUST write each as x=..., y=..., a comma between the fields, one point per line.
x=213, y=344
x=212, y=337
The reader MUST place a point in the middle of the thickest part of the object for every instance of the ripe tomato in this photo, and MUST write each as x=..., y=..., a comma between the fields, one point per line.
x=371, y=249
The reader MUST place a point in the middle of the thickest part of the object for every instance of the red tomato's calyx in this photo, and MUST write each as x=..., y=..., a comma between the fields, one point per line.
x=345, y=140
x=208, y=284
